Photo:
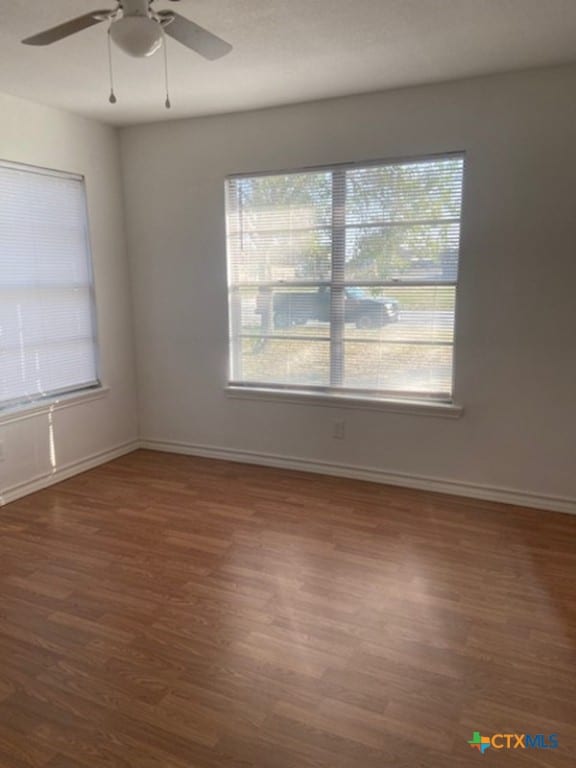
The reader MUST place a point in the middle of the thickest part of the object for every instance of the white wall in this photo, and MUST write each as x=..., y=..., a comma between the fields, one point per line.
x=91, y=431
x=515, y=358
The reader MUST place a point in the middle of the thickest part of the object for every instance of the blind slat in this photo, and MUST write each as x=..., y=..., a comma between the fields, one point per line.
x=47, y=329
x=363, y=257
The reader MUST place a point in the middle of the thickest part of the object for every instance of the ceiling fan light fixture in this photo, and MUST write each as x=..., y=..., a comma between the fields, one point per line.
x=137, y=36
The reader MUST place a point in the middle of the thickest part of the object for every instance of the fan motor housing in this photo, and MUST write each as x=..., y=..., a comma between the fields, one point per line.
x=136, y=7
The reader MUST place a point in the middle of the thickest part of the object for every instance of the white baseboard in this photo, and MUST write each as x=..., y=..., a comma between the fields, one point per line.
x=418, y=482
x=65, y=471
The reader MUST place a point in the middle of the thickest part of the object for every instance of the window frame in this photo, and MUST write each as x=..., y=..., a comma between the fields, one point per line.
x=394, y=401
x=18, y=408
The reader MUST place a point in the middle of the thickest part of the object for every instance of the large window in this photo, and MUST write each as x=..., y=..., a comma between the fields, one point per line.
x=343, y=279
x=47, y=329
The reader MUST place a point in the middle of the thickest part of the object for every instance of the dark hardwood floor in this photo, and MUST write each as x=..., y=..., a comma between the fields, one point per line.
x=165, y=611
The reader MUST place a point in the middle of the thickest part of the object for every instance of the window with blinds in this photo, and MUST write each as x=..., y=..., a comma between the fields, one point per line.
x=47, y=328
x=343, y=279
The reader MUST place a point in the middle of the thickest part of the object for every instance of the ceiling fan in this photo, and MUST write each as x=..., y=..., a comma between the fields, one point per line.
x=139, y=30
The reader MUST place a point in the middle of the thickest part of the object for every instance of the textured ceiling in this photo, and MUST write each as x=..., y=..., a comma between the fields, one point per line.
x=284, y=51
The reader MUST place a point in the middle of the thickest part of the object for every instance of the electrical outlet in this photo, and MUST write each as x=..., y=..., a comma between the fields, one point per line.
x=339, y=430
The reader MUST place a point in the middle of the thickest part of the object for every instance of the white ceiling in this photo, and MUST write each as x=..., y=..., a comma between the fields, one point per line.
x=284, y=51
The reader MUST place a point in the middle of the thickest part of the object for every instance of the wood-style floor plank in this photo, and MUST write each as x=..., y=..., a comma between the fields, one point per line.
x=169, y=612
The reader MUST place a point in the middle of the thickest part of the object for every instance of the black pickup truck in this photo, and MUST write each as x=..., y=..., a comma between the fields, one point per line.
x=360, y=308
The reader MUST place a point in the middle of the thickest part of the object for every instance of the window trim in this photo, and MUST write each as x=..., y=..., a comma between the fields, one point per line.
x=11, y=410
x=33, y=408
x=379, y=401
x=448, y=410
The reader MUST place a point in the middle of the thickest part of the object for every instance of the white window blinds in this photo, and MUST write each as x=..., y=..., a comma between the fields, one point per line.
x=344, y=279
x=47, y=329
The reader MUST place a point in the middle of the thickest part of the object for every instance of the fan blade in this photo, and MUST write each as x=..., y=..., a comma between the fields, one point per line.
x=68, y=28
x=193, y=36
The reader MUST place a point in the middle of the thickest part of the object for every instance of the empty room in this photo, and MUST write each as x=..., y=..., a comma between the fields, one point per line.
x=287, y=384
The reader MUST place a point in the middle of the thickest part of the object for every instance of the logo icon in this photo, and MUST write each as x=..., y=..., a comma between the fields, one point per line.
x=481, y=743
x=513, y=741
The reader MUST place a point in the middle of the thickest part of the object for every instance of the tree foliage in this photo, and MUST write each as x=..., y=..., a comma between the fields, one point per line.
x=402, y=222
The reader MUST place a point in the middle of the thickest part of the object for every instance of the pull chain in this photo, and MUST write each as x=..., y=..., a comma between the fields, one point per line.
x=112, y=98
x=167, y=103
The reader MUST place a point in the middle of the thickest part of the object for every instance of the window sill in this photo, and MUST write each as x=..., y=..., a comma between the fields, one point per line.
x=444, y=410
x=50, y=405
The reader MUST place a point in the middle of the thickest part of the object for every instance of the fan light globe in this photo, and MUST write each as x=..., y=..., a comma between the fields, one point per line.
x=137, y=35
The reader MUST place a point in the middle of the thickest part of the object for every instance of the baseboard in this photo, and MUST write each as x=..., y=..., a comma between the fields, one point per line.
x=417, y=482
x=65, y=471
